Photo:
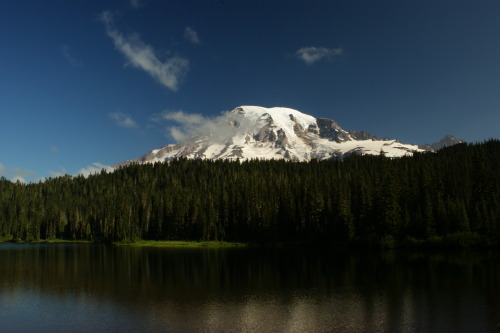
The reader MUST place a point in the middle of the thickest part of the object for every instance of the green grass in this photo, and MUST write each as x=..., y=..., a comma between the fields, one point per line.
x=62, y=241
x=41, y=241
x=151, y=243
x=5, y=239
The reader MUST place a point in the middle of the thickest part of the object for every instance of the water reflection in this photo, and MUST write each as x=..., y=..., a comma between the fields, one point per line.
x=101, y=288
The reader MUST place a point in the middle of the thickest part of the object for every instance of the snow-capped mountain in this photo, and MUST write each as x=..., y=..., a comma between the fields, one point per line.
x=253, y=132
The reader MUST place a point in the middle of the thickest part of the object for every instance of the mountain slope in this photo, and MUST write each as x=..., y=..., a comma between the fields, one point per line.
x=447, y=140
x=253, y=132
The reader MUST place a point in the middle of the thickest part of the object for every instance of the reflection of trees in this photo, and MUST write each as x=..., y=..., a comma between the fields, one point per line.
x=314, y=289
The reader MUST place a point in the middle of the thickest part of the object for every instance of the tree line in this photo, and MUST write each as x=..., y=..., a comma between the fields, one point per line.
x=355, y=199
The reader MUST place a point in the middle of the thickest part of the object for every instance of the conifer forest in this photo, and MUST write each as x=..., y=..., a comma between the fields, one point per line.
x=355, y=199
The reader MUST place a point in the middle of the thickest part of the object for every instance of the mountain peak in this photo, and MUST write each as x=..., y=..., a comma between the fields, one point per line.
x=255, y=132
x=447, y=140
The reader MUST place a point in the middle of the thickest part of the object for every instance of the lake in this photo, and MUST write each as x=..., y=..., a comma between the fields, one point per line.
x=99, y=288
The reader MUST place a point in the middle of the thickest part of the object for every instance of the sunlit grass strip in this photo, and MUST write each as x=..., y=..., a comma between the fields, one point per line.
x=9, y=239
x=152, y=243
x=5, y=239
x=62, y=241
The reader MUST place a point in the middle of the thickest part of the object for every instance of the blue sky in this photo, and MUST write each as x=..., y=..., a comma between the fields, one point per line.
x=83, y=83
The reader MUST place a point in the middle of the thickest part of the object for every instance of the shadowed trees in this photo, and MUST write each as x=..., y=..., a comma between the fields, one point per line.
x=454, y=190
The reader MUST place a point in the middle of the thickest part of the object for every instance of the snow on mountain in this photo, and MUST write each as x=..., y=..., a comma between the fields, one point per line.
x=253, y=132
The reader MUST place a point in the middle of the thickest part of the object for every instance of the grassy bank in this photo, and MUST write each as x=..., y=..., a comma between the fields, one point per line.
x=41, y=241
x=459, y=240
x=152, y=243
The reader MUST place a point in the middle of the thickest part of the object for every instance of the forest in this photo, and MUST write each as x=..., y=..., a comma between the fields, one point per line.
x=355, y=200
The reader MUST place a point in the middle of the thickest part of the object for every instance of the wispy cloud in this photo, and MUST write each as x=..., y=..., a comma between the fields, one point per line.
x=66, y=52
x=142, y=56
x=60, y=173
x=15, y=174
x=190, y=124
x=18, y=179
x=219, y=128
x=135, y=4
x=3, y=170
x=192, y=35
x=20, y=172
x=96, y=167
x=312, y=54
x=123, y=120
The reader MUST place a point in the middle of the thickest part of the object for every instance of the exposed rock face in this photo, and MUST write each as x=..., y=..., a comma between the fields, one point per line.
x=281, y=140
x=329, y=129
x=362, y=135
x=447, y=140
x=252, y=132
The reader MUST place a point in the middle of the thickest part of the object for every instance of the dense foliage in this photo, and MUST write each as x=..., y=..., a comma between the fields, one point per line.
x=358, y=198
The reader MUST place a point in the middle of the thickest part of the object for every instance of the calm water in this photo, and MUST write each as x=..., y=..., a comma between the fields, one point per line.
x=93, y=288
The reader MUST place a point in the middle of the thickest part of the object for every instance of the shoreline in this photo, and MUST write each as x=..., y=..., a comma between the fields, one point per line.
x=181, y=244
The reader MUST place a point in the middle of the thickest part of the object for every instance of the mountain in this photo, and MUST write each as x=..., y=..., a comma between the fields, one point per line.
x=253, y=132
x=447, y=140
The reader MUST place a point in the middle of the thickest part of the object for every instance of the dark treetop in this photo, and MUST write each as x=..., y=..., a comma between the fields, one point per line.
x=367, y=199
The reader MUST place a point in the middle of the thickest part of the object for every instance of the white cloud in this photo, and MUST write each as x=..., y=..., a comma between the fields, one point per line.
x=189, y=123
x=3, y=170
x=19, y=179
x=65, y=50
x=141, y=55
x=312, y=54
x=219, y=129
x=193, y=119
x=123, y=120
x=61, y=173
x=192, y=35
x=15, y=174
x=135, y=4
x=96, y=167
x=20, y=172
x=177, y=134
